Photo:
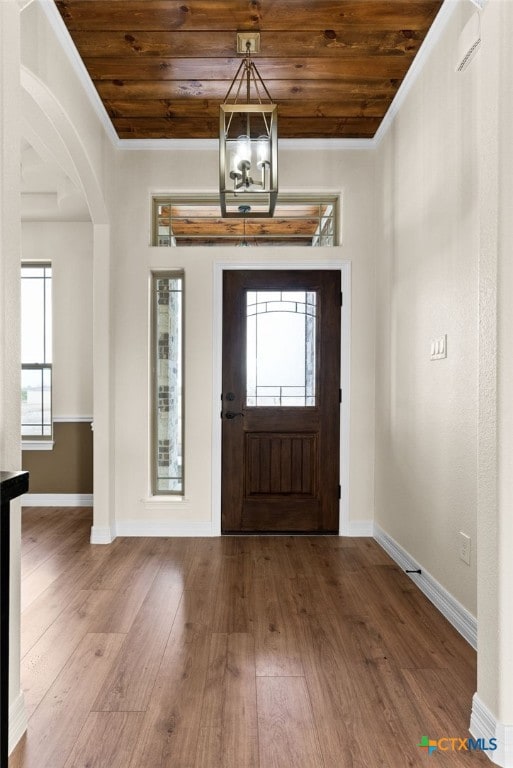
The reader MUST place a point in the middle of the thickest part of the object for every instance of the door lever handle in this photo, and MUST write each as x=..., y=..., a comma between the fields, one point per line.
x=232, y=415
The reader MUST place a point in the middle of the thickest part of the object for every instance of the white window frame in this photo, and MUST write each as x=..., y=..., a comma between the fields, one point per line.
x=326, y=235
x=39, y=442
x=157, y=275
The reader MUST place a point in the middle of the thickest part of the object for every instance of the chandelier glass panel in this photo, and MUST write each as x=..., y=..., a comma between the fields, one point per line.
x=248, y=145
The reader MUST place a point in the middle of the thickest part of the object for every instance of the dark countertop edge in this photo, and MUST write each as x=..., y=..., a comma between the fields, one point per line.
x=13, y=484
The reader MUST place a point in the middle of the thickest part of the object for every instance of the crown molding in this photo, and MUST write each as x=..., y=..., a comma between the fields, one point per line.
x=55, y=20
x=50, y=10
x=325, y=144
x=212, y=144
x=169, y=144
x=425, y=50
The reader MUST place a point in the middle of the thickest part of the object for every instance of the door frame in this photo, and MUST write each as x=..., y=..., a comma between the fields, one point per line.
x=344, y=266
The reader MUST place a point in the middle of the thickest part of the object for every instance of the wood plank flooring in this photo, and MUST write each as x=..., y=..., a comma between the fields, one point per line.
x=234, y=652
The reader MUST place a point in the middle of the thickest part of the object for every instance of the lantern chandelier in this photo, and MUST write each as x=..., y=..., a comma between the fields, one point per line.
x=248, y=141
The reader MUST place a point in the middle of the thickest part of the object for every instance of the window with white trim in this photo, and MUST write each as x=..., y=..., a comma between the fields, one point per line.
x=299, y=220
x=167, y=400
x=36, y=351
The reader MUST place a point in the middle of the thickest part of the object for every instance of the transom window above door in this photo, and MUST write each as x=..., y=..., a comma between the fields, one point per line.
x=306, y=221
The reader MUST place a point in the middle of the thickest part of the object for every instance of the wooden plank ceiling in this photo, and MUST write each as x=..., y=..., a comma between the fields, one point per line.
x=162, y=67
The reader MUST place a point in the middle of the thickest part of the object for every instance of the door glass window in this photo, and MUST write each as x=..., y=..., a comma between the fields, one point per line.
x=280, y=346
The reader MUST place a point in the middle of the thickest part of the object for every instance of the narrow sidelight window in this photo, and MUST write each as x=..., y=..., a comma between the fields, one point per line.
x=167, y=364
x=36, y=351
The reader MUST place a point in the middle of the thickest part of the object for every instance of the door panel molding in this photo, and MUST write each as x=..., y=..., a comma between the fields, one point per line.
x=276, y=464
x=293, y=265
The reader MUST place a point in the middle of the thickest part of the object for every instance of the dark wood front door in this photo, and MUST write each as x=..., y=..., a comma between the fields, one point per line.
x=280, y=401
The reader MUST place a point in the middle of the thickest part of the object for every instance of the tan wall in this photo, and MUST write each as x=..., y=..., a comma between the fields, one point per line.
x=69, y=467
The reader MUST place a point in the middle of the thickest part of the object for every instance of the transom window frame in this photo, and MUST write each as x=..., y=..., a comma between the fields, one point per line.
x=249, y=232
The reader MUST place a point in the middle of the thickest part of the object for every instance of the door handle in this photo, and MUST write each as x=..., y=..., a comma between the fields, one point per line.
x=232, y=415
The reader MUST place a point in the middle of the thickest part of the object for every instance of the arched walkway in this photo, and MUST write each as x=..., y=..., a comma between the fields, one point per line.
x=47, y=124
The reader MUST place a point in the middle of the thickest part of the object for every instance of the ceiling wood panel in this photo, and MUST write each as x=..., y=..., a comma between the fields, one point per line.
x=340, y=44
x=327, y=90
x=162, y=67
x=303, y=128
x=295, y=68
x=212, y=15
x=351, y=106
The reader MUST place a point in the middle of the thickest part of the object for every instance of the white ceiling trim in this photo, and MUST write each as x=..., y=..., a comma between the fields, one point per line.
x=55, y=19
x=213, y=144
x=425, y=50
x=428, y=45
x=151, y=144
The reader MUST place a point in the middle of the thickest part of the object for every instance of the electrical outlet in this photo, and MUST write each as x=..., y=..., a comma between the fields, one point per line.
x=465, y=548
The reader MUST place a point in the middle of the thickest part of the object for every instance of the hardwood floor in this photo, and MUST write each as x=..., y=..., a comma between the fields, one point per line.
x=234, y=652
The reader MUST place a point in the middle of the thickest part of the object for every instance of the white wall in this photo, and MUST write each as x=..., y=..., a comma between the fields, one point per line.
x=68, y=246
x=141, y=173
x=493, y=702
x=56, y=106
x=10, y=442
x=417, y=249
x=427, y=259
x=43, y=54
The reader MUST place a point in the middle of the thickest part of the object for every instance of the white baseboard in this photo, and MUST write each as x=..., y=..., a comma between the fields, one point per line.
x=17, y=721
x=461, y=619
x=484, y=725
x=101, y=534
x=57, y=500
x=357, y=528
x=71, y=419
x=163, y=528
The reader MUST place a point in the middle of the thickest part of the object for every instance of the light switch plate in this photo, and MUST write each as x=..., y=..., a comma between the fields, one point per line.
x=439, y=348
